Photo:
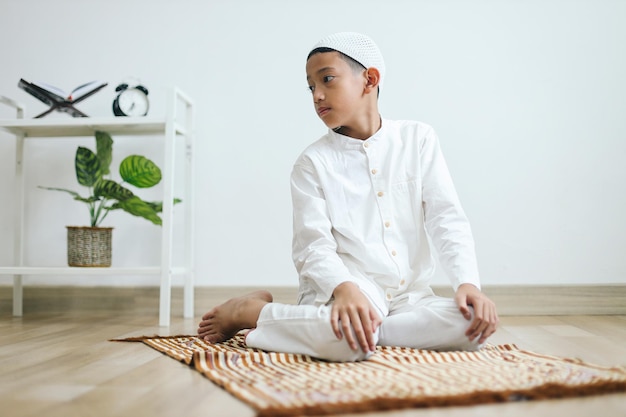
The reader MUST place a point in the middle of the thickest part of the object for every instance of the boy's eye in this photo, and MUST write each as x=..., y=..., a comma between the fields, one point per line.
x=311, y=88
x=328, y=78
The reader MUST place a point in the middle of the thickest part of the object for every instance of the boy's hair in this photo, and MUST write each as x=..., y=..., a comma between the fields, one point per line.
x=354, y=64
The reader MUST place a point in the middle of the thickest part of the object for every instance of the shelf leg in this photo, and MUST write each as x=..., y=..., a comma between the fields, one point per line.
x=18, y=309
x=188, y=308
x=165, y=298
x=18, y=242
x=188, y=296
x=167, y=216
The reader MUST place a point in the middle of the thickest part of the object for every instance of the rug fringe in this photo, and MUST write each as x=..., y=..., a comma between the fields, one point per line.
x=546, y=392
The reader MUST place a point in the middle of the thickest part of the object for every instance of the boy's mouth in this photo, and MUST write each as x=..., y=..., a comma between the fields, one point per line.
x=322, y=111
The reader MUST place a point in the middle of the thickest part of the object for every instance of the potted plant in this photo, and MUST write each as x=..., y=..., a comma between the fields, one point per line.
x=91, y=246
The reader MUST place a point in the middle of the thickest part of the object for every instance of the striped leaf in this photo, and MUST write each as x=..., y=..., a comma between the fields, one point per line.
x=140, y=171
x=104, y=151
x=137, y=207
x=87, y=167
x=112, y=190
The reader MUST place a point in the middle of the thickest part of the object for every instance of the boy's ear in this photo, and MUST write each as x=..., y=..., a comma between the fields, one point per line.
x=373, y=79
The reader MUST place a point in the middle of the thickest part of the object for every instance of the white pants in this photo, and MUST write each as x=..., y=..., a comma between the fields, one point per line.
x=429, y=322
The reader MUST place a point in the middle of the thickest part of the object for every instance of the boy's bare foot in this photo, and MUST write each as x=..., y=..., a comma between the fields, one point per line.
x=224, y=321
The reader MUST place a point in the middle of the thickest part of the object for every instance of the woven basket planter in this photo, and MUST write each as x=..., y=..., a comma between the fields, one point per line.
x=89, y=246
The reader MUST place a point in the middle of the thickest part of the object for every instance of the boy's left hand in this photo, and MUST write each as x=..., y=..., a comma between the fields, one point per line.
x=485, y=314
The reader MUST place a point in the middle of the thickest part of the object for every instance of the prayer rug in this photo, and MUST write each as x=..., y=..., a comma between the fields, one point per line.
x=278, y=384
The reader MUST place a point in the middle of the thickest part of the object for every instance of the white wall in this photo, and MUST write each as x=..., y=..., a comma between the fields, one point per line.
x=528, y=99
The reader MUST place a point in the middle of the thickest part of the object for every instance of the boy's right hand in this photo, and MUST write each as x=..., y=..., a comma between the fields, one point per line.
x=352, y=308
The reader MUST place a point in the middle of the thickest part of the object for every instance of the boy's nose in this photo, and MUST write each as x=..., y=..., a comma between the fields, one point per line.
x=318, y=95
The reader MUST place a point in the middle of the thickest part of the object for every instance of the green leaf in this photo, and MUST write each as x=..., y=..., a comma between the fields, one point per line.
x=112, y=190
x=104, y=151
x=157, y=206
x=87, y=167
x=140, y=171
x=76, y=196
x=138, y=207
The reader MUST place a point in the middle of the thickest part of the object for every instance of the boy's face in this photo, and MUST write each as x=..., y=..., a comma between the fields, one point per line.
x=336, y=88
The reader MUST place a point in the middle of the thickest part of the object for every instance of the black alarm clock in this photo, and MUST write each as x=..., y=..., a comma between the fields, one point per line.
x=131, y=100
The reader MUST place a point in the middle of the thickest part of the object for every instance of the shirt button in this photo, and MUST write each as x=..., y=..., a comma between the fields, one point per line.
x=380, y=194
x=387, y=224
x=394, y=253
x=367, y=145
x=374, y=171
x=402, y=282
x=388, y=296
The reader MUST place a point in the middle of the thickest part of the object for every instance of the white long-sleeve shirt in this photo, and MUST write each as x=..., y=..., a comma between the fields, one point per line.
x=367, y=211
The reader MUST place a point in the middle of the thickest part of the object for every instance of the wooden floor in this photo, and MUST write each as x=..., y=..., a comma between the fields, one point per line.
x=56, y=361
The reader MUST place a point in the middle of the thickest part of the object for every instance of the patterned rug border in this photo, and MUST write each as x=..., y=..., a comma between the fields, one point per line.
x=541, y=392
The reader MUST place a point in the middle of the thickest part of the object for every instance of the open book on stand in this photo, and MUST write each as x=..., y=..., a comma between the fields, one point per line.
x=58, y=99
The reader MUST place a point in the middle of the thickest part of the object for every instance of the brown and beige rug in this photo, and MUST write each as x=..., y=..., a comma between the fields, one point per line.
x=277, y=384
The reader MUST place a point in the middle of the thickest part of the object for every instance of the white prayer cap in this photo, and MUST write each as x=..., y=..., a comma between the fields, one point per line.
x=358, y=47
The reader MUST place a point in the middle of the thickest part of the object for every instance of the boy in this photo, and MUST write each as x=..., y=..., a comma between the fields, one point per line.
x=368, y=198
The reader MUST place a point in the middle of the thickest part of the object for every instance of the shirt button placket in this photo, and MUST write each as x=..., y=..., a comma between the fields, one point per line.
x=378, y=184
x=377, y=181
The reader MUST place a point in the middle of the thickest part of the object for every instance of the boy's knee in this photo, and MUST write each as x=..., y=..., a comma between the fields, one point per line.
x=303, y=330
x=338, y=350
x=461, y=341
x=341, y=352
x=330, y=348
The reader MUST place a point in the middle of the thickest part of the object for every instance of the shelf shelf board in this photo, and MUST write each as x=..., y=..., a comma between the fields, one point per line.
x=86, y=126
x=66, y=270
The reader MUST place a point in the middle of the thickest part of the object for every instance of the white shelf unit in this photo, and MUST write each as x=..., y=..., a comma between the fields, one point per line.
x=172, y=129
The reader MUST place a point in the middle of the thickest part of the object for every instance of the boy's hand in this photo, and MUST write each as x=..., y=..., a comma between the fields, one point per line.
x=485, y=314
x=354, y=310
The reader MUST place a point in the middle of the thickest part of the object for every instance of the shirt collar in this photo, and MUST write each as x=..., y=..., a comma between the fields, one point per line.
x=351, y=143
